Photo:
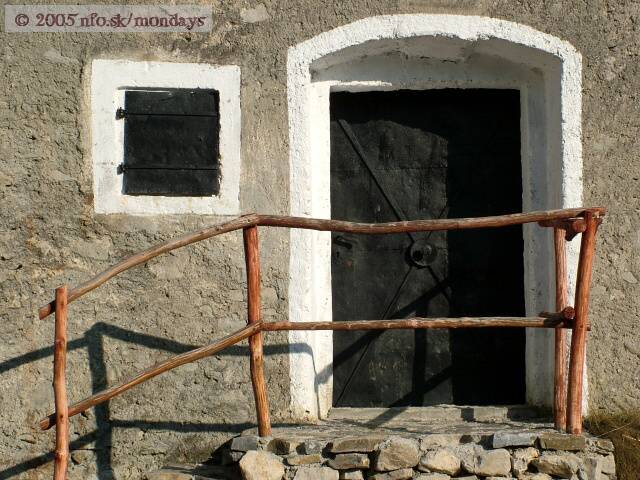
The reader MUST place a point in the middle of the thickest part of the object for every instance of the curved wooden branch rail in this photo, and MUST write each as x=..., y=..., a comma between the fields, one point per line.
x=543, y=217
x=165, y=366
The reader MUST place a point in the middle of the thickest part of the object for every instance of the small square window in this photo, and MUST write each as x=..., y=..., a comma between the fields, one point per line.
x=171, y=144
x=188, y=124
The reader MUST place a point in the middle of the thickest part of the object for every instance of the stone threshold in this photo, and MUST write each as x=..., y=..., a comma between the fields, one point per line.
x=430, y=443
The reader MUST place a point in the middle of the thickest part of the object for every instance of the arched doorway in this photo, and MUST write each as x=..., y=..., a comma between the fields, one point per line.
x=427, y=53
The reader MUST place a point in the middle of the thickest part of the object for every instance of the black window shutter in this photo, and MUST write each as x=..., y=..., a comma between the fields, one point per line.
x=171, y=142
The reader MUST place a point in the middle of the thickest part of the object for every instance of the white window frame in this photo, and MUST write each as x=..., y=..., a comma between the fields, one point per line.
x=109, y=80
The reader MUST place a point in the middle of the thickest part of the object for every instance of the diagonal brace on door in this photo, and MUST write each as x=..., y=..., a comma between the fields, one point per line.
x=360, y=151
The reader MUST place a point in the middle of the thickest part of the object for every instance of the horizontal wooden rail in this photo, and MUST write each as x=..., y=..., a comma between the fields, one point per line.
x=546, y=217
x=154, y=371
x=547, y=320
x=422, y=323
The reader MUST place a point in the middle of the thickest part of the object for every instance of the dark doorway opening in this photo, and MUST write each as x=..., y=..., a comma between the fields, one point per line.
x=405, y=155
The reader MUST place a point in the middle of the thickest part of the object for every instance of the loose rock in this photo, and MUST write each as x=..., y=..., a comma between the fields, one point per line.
x=295, y=459
x=282, y=446
x=229, y=457
x=168, y=475
x=592, y=469
x=506, y=439
x=441, y=461
x=346, y=461
x=396, y=453
x=560, y=441
x=488, y=463
x=260, y=465
x=609, y=465
x=244, y=443
x=601, y=445
x=351, y=475
x=312, y=446
x=562, y=465
x=316, y=473
x=401, y=474
x=520, y=459
x=361, y=444
x=433, y=476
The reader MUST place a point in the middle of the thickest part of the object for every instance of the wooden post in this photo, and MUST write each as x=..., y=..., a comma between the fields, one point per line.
x=252, y=259
x=579, y=334
x=60, y=387
x=560, y=371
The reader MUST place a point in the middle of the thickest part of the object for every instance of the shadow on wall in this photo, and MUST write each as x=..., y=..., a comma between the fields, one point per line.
x=103, y=435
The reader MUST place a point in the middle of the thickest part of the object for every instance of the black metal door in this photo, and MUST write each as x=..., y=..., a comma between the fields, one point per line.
x=416, y=155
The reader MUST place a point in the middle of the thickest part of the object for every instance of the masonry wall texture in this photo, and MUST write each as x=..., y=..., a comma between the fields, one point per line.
x=49, y=233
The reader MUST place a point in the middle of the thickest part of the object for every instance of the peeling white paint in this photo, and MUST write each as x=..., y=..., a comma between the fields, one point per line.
x=109, y=80
x=423, y=52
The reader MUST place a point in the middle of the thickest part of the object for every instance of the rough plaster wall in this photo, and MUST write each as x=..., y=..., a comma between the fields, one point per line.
x=49, y=234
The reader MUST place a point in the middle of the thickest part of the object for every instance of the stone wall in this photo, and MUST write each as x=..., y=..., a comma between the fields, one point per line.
x=49, y=233
x=525, y=455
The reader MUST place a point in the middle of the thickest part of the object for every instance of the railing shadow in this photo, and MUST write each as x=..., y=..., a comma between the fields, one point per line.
x=94, y=342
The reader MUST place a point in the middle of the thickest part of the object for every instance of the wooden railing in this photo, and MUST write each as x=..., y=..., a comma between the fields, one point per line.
x=566, y=225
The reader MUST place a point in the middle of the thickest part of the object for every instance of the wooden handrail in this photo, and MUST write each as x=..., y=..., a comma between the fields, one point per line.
x=252, y=260
x=154, y=371
x=560, y=360
x=253, y=219
x=566, y=224
x=555, y=320
x=61, y=414
x=579, y=335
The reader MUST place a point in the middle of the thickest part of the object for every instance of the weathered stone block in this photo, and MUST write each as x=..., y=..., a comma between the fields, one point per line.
x=282, y=446
x=609, y=465
x=351, y=475
x=591, y=469
x=400, y=474
x=562, y=465
x=168, y=475
x=600, y=445
x=534, y=476
x=229, y=456
x=488, y=462
x=396, y=453
x=361, y=444
x=244, y=443
x=261, y=465
x=561, y=441
x=520, y=439
x=433, y=476
x=316, y=473
x=520, y=459
x=295, y=459
x=312, y=446
x=346, y=461
x=440, y=461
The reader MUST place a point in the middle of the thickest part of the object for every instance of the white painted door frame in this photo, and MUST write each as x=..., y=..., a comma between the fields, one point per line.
x=426, y=52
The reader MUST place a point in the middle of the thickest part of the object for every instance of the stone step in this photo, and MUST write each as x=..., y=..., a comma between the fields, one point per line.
x=194, y=472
